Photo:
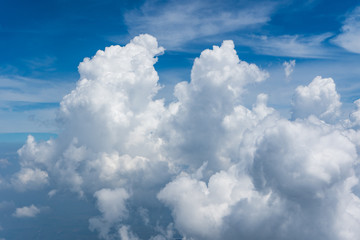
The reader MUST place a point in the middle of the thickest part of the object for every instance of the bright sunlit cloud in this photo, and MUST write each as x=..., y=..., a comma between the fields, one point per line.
x=204, y=162
x=199, y=120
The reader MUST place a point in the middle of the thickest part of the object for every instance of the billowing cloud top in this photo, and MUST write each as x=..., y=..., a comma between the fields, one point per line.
x=203, y=166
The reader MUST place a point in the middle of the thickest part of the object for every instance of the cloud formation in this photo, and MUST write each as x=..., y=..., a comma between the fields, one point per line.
x=289, y=67
x=319, y=98
x=350, y=32
x=26, y=212
x=176, y=23
x=203, y=166
x=111, y=204
x=28, y=178
x=299, y=46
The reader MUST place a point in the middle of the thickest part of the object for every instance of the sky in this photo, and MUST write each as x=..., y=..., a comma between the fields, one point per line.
x=179, y=119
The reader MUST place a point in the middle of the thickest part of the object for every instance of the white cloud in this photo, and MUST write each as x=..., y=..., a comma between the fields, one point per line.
x=113, y=98
x=115, y=95
x=204, y=166
x=111, y=204
x=289, y=67
x=176, y=23
x=293, y=168
x=350, y=32
x=193, y=131
x=126, y=234
x=310, y=164
x=26, y=212
x=298, y=46
x=201, y=215
x=29, y=179
x=52, y=193
x=319, y=98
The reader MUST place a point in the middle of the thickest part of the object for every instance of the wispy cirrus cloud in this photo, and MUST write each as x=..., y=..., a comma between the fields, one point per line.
x=298, y=46
x=28, y=104
x=349, y=38
x=16, y=88
x=178, y=22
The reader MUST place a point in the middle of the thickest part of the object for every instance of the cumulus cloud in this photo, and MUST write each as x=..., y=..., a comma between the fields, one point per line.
x=355, y=115
x=29, y=179
x=125, y=234
x=26, y=212
x=350, y=32
x=305, y=172
x=193, y=131
x=111, y=204
x=289, y=67
x=203, y=166
x=319, y=98
x=201, y=215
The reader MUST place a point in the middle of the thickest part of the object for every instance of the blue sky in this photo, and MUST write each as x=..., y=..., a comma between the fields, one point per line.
x=94, y=159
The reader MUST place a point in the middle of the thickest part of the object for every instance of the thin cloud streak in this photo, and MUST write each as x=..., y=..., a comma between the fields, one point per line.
x=22, y=89
x=177, y=23
x=290, y=45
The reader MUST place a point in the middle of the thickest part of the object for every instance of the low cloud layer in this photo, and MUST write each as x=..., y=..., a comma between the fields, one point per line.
x=203, y=166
